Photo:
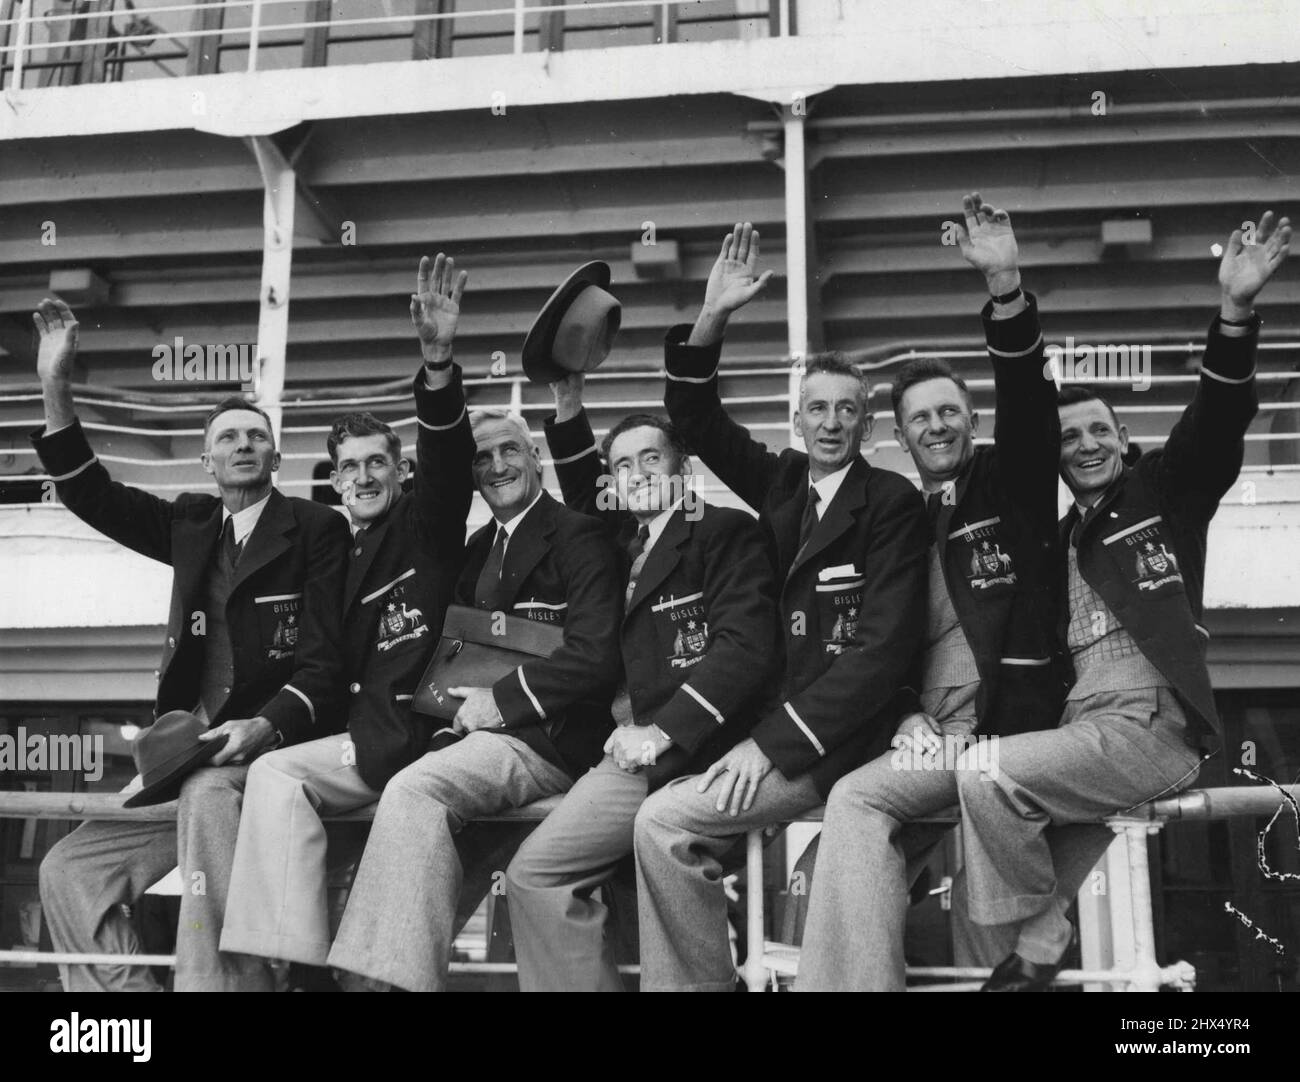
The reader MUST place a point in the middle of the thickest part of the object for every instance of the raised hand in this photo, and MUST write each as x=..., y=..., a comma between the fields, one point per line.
x=1245, y=268
x=568, y=395
x=988, y=244
x=731, y=284
x=58, y=329
x=435, y=306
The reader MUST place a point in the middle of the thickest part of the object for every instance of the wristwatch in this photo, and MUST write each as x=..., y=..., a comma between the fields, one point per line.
x=1007, y=298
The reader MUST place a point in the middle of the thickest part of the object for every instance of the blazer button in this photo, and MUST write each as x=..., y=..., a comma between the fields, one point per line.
x=355, y=688
x=171, y=641
x=356, y=551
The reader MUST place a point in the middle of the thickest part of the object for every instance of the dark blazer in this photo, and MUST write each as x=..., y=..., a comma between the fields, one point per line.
x=559, y=568
x=852, y=605
x=997, y=539
x=400, y=576
x=699, y=634
x=292, y=564
x=1142, y=547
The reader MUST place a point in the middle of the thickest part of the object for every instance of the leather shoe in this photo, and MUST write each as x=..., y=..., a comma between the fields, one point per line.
x=1014, y=974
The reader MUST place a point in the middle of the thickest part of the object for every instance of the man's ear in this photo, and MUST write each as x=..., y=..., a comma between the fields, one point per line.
x=403, y=470
x=974, y=422
x=870, y=423
x=275, y=462
x=898, y=438
x=1123, y=438
x=206, y=460
x=686, y=469
x=336, y=482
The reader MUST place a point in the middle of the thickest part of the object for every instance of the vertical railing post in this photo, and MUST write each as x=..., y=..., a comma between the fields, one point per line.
x=796, y=249
x=783, y=23
x=519, y=26
x=254, y=32
x=20, y=43
x=280, y=183
x=755, y=973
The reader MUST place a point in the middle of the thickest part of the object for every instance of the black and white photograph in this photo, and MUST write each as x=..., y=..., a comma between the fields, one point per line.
x=678, y=495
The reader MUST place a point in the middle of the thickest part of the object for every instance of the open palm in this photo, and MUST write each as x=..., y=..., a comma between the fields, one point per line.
x=57, y=329
x=435, y=305
x=987, y=242
x=732, y=282
x=1246, y=267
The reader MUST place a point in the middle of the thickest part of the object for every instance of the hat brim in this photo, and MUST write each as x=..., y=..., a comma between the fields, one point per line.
x=538, y=366
x=169, y=787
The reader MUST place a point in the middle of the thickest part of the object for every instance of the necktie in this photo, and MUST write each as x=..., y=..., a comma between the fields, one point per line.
x=933, y=504
x=809, y=520
x=230, y=550
x=636, y=551
x=489, y=579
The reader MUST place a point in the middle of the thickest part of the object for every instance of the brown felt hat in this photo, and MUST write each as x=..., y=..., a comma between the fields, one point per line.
x=168, y=752
x=575, y=328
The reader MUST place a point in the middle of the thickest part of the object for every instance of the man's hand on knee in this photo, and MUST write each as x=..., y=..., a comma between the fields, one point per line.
x=247, y=736
x=740, y=770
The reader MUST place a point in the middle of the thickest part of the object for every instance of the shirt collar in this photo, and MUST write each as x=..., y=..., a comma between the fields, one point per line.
x=660, y=523
x=828, y=486
x=512, y=524
x=245, y=519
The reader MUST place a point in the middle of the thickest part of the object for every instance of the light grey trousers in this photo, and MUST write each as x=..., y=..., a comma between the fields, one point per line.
x=1111, y=752
x=553, y=884
x=681, y=842
x=400, y=918
x=278, y=887
x=88, y=876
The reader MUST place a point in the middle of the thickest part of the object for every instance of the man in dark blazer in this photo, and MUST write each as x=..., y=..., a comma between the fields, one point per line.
x=406, y=554
x=1141, y=710
x=848, y=545
x=699, y=639
x=527, y=737
x=990, y=667
x=252, y=649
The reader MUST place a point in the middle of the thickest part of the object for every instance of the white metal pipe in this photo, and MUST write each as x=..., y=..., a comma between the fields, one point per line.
x=279, y=181
x=20, y=43
x=796, y=253
x=254, y=32
x=519, y=26
x=755, y=970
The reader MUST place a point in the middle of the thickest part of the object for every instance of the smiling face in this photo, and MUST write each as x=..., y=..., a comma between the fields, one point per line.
x=239, y=451
x=648, y=474
x=833, y=420
x=937, y=426
x=507, y=470
x=367, y=478
x=1092, y=448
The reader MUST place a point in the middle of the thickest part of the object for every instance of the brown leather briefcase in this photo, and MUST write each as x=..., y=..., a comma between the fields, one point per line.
x=476, y=649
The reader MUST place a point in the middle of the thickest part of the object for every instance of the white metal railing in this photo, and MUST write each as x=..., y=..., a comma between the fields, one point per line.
x=98, y=36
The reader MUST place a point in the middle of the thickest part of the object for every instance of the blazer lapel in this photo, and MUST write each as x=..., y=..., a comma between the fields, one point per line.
x=268, y=540
x=664, y=557
x=838, y=518
x=198, y=539
x=359, y=566
x=530, y=542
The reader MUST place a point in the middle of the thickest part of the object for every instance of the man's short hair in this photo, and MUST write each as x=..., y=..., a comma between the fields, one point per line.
x=922, y=370
x=353, y=425
x=835, y=363
x=1072, y=393
x=235, y=402
x=481, y=417
x=645, y=420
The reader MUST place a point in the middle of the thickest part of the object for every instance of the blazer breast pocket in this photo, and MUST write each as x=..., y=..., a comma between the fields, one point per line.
x=984, y=557
x=681, y=629
x=278, y=624
x=1144, y=553
x=839, y=602
x=542, y=612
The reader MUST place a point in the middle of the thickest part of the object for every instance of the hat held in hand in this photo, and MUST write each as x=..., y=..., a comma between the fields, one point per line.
x=168, y=752
x=576, y=327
